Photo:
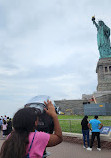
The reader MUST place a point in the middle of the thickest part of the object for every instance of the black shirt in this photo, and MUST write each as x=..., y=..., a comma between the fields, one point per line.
x=84, y=124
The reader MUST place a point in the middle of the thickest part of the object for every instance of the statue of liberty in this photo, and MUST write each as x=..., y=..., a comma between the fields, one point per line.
x=103, y=38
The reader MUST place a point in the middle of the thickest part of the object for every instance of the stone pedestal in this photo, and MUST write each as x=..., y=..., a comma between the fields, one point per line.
x=103, y=71
x=102, y=96
x=103, y=93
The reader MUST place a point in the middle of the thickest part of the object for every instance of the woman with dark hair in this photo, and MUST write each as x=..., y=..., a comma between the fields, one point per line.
x=24, y=140
x=85, y=131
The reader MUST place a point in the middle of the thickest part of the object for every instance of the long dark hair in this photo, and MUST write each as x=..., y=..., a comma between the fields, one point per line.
x=23, y=123
x=84, y=120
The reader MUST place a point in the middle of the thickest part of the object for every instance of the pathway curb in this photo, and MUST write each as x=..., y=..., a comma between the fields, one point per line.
x=77, y=138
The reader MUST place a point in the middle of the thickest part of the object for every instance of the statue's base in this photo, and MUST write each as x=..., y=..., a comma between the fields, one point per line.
x=98, y=97
x=102, y=96
x=103, y=93
x=104, y=74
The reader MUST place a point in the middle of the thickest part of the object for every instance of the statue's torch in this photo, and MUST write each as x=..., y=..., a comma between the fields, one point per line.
x=93, y=18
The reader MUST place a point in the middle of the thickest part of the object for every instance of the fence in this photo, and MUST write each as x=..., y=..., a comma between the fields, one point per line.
x=74, y=125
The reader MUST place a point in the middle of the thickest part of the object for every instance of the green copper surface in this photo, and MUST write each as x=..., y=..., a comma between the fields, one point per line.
x=103, y=38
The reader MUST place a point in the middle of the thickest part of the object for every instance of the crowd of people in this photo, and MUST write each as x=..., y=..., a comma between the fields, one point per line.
x=94, y=126
x=5, y=125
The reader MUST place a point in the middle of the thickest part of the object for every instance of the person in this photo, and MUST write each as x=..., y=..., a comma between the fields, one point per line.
x=4, y=128
x=5, y=118
x=96, y=126
x=24, y=140
x=9, y=126
x=103, y=38
x=2, y=118
x=85, y=131
x=1, y=124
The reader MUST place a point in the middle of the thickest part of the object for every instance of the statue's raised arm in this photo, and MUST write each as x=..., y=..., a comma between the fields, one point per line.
x=94, y=22
x=103, y=38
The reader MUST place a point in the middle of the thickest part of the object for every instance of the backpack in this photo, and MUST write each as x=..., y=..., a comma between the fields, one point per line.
x=28, y=156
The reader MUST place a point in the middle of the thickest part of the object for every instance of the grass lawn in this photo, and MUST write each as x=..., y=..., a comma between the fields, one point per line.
x=74, y=126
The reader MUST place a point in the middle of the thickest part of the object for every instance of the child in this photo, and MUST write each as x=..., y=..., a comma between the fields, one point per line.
x=24, y=123
x=4, y=128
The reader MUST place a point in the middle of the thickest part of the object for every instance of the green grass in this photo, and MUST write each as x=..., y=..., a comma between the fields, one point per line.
x=75, y=125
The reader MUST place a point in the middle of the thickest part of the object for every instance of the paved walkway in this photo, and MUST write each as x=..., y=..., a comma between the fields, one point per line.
x=71, y=150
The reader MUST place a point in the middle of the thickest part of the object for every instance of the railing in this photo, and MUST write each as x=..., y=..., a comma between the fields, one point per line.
x=74, y=125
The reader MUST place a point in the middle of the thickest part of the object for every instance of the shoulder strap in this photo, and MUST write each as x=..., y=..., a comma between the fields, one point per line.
x=32, y=142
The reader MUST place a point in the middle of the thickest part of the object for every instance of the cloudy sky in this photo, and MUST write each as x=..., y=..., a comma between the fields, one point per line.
x=48, y=47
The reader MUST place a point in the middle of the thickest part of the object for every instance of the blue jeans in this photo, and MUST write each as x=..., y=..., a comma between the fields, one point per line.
x=85, y=134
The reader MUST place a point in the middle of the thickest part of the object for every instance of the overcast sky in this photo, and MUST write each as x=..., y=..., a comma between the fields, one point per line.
x=48, y=47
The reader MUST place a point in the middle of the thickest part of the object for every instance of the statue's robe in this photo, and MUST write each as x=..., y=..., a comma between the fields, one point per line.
x=103, y=41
